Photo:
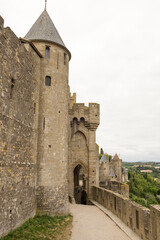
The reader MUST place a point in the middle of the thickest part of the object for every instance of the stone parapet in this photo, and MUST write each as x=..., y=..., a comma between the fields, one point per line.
x=117, y=187
x=155, y=222
x=143, y=221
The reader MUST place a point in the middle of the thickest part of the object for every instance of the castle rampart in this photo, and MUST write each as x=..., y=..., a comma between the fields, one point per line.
x=143, y=221
x=19, y=97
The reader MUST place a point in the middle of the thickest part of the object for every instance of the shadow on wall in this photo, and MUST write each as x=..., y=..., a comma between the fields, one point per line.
x=80, y=194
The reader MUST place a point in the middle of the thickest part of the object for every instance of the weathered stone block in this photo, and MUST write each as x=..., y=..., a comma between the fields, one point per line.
x=1, y=22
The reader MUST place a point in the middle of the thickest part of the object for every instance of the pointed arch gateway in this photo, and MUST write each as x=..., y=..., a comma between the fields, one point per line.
x=80, y=165
x=80, y=194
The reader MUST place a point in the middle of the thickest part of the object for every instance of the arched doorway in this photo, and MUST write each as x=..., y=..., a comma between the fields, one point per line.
x=80, y=194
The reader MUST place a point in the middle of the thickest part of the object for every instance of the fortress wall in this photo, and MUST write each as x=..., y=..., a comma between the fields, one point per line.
x=143, y=221
x=155, y=222
x=18, y=126
x=118, y=187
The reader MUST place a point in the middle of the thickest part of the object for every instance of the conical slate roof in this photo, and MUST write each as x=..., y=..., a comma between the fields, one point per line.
x=104, y=158
x=116, y=157
x=44, y=29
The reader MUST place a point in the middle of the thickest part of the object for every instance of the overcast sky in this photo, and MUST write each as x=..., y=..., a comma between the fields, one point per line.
x=115, y=46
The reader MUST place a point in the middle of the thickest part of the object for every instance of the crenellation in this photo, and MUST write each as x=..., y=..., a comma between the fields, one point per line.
x=143, y=221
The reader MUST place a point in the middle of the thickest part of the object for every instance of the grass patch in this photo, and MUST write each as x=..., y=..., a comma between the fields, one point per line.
x=43, y=227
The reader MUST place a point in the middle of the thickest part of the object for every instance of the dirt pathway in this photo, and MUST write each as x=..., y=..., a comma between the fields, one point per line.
x=89, y=223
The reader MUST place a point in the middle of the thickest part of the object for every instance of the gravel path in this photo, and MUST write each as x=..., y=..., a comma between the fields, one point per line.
x=89, y=223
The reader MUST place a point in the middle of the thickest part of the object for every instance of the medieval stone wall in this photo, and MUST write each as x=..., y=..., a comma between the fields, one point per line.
x=19, y=76
x=143, y=221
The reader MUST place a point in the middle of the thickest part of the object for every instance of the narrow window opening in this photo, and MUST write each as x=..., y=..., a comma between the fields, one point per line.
x=49, y=146
x=65, y=58
x=137, y=219
x=12, y=86
x=47, y=52
x=79, y=143
x=10, y=211
x=115, y=203
x=48, y=81
x=44, y=123
x=34, y=108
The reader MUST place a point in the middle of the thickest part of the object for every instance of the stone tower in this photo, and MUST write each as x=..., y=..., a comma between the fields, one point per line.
x=83, y=151
x=52, y=186
x=116, y=165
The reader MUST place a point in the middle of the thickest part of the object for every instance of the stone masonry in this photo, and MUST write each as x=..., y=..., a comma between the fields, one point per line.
x=38, y=131
x=19, y=91
x=83, y=150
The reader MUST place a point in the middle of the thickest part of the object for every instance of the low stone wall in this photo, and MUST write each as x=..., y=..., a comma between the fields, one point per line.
x=117, y=187
x=143, y=221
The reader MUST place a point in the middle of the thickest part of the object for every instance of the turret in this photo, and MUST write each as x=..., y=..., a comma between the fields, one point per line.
x=52, y=188
x=116, y=164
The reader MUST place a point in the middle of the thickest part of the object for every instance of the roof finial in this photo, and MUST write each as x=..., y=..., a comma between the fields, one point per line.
x=45, y=5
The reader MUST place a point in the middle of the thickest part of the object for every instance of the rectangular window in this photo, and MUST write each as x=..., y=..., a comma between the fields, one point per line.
x=65, y=58
x=115, y=203
x=47, y=52
x=48, y=81
x=44, y=123
x=34, y=108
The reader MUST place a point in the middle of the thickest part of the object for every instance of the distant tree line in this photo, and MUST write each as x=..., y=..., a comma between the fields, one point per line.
x=144, y=189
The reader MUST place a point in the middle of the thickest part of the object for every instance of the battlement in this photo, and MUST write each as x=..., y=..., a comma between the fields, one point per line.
x=90, y=114
x=72, y=99
x=143, y=221
x=72, y=94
